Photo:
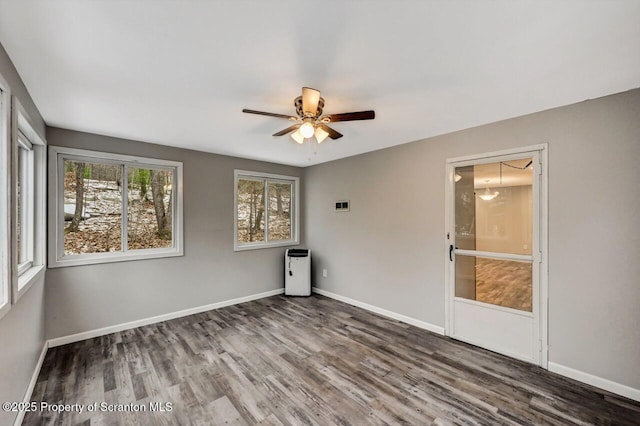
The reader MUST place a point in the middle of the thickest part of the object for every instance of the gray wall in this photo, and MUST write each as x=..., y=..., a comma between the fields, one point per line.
x=388, y=251
x=83, y=298
x=22, y=330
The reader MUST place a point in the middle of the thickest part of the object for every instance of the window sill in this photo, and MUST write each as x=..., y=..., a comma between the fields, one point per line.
x=257, y=246
x=26, y=280
x=98, y=258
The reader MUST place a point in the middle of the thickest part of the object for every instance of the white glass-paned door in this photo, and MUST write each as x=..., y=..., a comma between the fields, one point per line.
x=493, y=289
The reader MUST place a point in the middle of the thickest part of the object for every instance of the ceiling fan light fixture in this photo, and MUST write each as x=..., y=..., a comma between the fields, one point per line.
x=307, y=130
x=321, y=135
x=296, y=136
x=310, y=122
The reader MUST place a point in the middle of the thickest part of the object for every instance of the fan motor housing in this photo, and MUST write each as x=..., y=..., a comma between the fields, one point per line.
x=298, y=104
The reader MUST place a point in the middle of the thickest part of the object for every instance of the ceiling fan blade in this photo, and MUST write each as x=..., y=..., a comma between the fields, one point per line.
x=270, y=114
x=332, y=133
x=310, y=99
x=351, y=116
x=287, y=130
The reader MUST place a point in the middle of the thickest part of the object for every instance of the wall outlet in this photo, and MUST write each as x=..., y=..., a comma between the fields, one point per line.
x=324, y=273
x=342, y=205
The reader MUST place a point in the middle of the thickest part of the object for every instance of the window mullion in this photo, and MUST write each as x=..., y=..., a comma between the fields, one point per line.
x=124, y=194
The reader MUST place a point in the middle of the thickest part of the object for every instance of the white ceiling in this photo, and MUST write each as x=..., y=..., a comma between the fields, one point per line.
x=179, y=72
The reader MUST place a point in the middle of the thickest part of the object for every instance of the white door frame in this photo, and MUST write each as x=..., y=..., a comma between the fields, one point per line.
x=543, y=150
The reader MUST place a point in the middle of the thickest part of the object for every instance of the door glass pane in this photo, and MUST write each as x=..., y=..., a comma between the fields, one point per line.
x=465, y=208
x=499, y=282
x=466, y=277
x=494, y=207
x=494, y=213
x=250, y=211
x=92, y=207
x=279, y=211
x=149, y=208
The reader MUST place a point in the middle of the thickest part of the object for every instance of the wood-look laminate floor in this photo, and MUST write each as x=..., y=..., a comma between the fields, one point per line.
x=504, y=283
x=311, y=361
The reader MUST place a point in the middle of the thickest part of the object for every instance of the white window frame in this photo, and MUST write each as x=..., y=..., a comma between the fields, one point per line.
x=57, y=258
x=26, y=141
x=5, y=197
x=295, y=206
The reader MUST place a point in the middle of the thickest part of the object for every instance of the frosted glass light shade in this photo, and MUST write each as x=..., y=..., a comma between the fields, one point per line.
x=321, y=135
x=296, y=136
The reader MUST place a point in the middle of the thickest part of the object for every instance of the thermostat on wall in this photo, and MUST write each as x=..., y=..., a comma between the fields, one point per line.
x=342, y=206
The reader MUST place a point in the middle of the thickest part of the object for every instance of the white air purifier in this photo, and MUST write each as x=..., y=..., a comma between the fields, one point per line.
x=297, y=272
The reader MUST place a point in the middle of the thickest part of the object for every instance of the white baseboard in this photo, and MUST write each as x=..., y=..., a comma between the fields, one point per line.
x=59, y=341
x=599, y=382
x=32, y=384
x=390, y=314
x=571, y=373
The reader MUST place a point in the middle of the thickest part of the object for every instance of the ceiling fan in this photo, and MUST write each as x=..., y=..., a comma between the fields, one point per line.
x=310, y=121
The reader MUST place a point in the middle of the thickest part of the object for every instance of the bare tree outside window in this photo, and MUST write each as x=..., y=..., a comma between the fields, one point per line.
x=279, y=211
x=92, y=207
x=116, y=207
x=149, y=213
x=264, y=210
x=79, y=200
x=93, y=195
x=250, y=210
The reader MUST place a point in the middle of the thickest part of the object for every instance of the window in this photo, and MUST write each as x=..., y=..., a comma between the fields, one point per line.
x=5, y=277
x=25, y=204
x=29, y=201
x=111, y=208
x=266, y=210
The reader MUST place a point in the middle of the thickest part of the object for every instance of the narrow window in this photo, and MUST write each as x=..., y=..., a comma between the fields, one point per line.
x=28, y=215
x=5, y=191
x=25, y=204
